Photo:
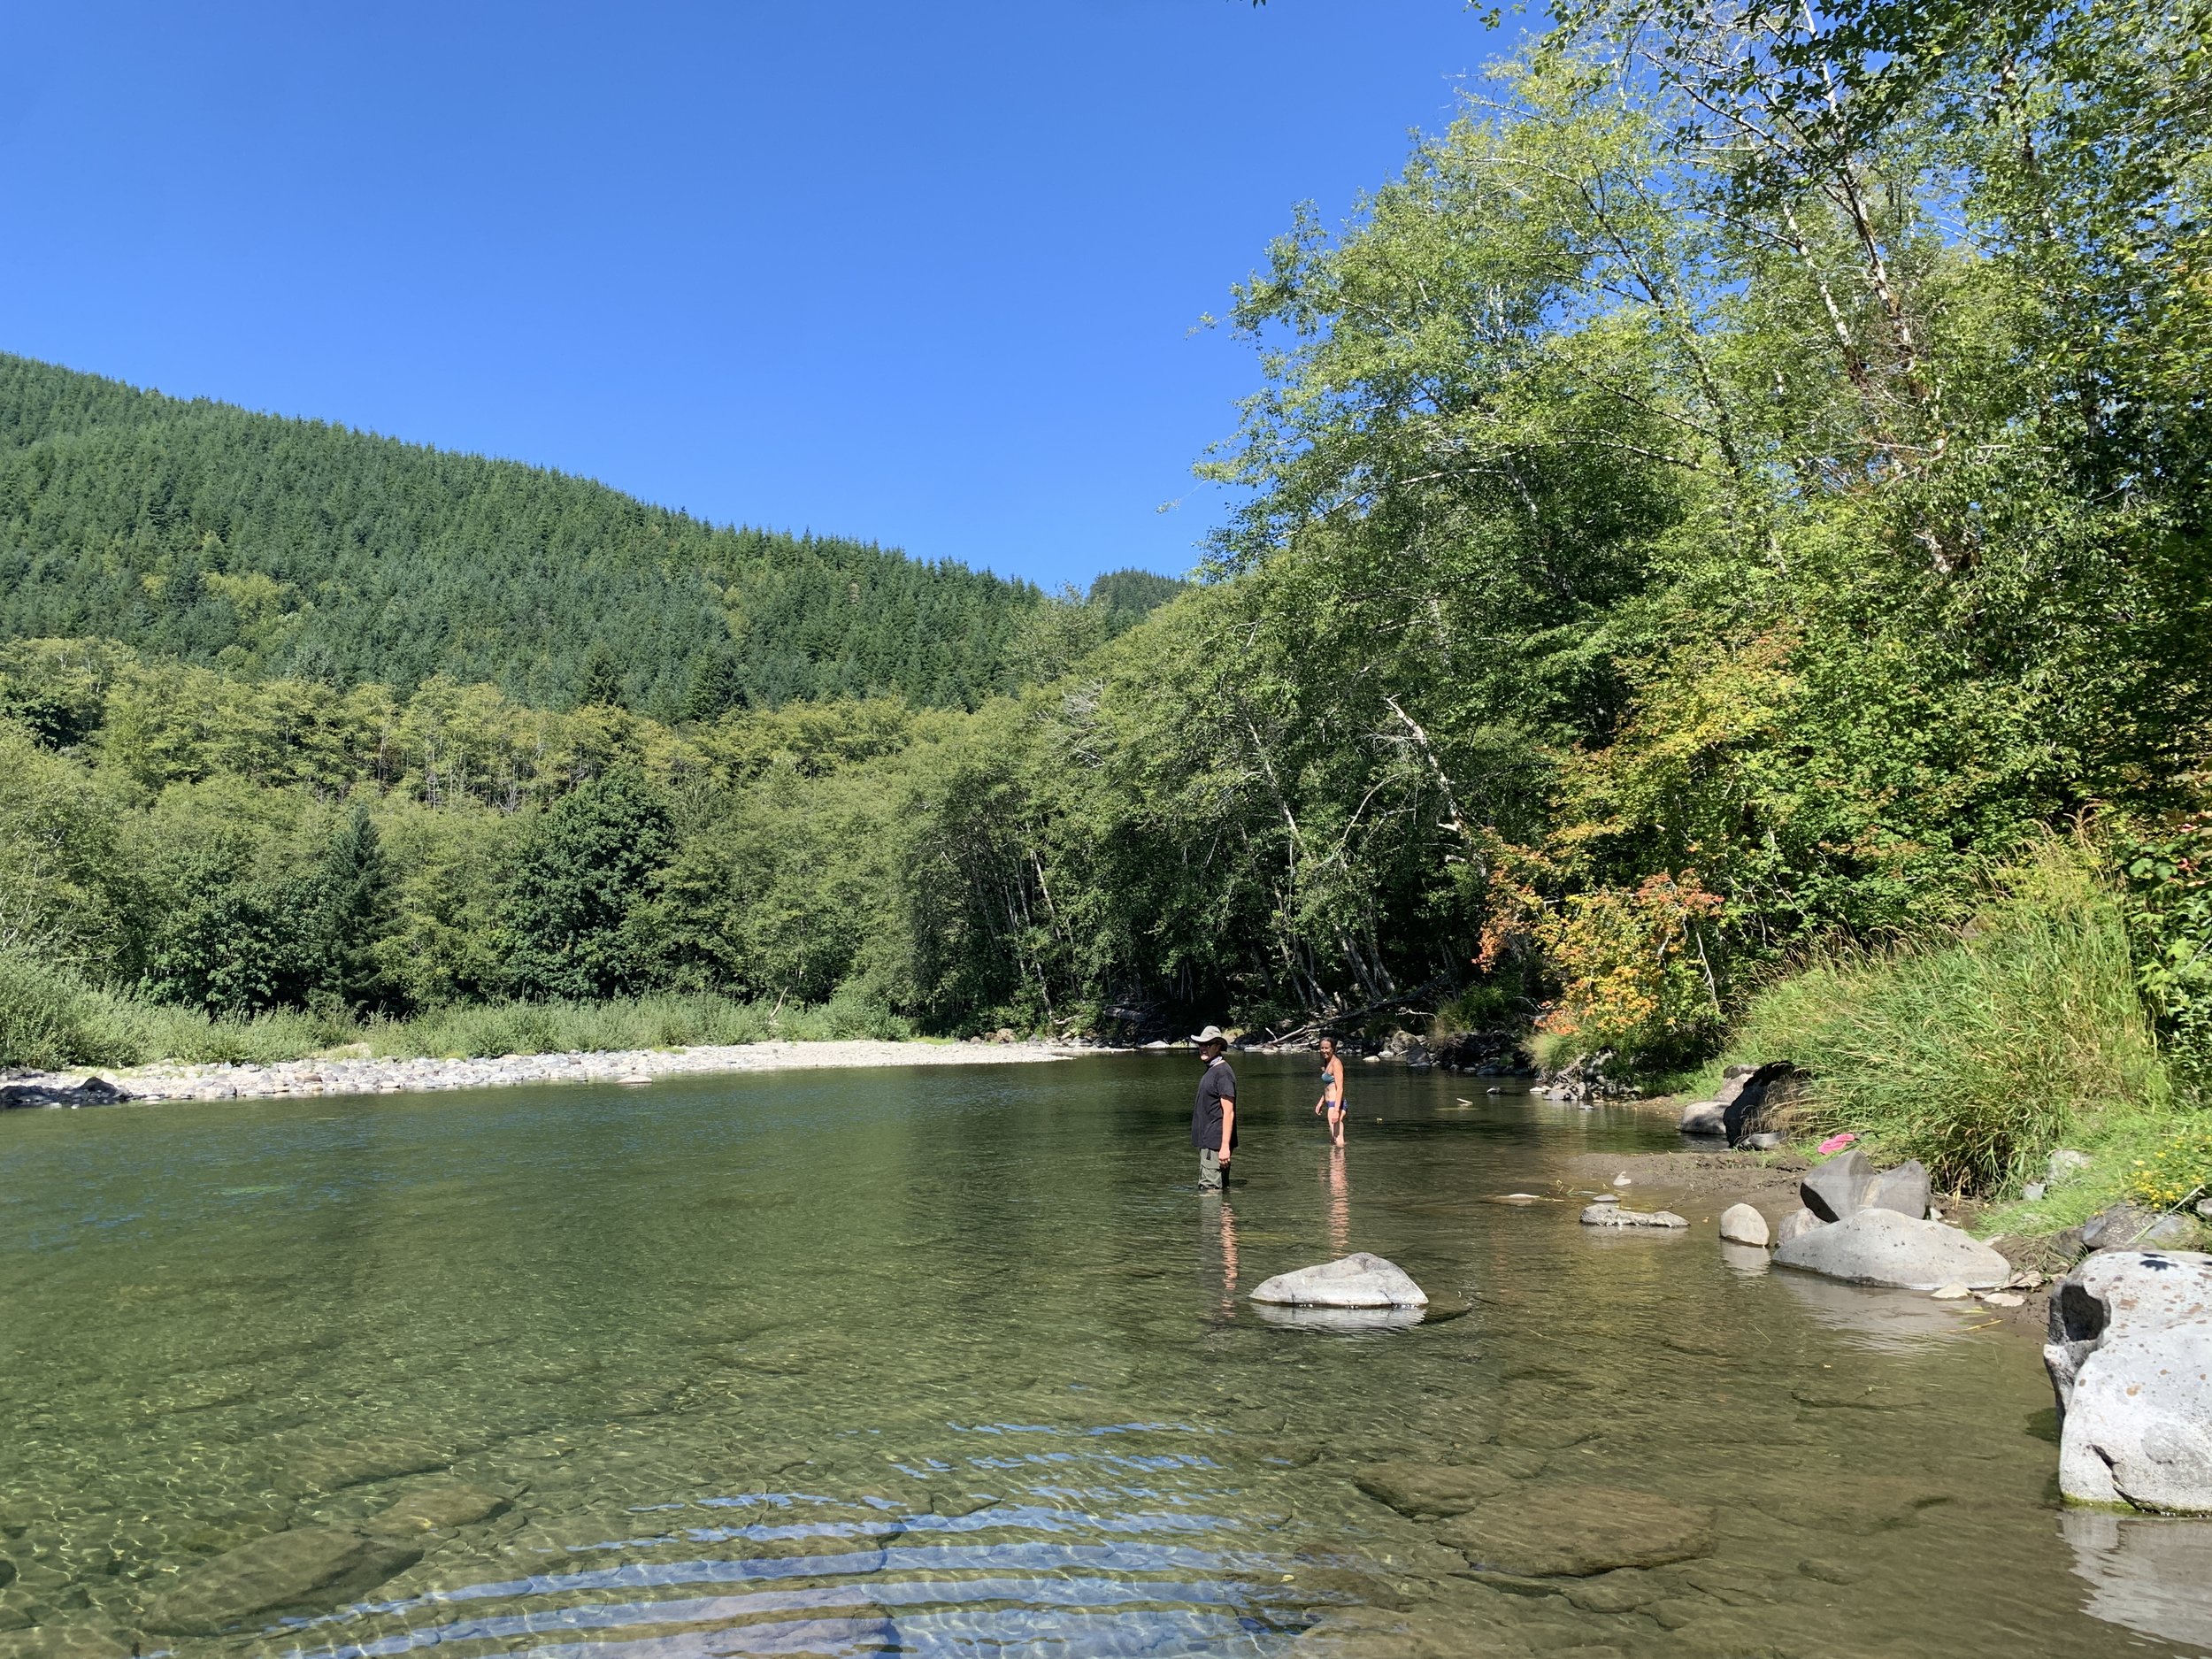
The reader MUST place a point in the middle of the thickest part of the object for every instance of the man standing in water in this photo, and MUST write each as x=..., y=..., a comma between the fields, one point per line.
x=1213, y=1119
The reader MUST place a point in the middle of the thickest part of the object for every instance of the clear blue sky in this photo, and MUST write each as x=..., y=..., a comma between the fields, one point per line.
x=923, y=274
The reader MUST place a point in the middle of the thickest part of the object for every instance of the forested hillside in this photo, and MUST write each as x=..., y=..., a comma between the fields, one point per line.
x=287, y=548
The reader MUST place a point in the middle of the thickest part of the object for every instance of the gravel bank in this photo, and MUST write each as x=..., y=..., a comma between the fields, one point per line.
x=372, y=1076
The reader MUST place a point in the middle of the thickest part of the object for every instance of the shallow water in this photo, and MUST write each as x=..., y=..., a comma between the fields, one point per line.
x=956, y=1363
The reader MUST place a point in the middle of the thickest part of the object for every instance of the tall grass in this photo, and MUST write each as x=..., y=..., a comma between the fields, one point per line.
x=1978, y=1052
x=51, y=1019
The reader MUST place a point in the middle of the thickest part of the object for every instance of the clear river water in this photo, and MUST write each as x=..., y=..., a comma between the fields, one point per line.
x=957, y=1362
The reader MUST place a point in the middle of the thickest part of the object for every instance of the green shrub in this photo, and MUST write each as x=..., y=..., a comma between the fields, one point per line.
x=1981, y=1052
x=50, y=1018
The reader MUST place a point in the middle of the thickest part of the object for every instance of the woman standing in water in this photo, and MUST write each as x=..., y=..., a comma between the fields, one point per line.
x=1331, y=1101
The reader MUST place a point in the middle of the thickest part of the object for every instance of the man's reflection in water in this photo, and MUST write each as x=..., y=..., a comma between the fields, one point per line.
x=1339, y=1205
x=1217, y=1225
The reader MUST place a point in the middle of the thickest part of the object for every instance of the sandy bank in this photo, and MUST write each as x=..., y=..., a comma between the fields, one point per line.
x=366, y=1075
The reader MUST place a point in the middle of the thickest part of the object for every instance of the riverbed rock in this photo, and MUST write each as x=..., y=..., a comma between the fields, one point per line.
x=1555, y=1531
x=308, y=1570
x=1617, y=1215
x=435, y=1506
x=1358, y=1280
x=1431, y=1492
x=354, y=1462
x=1881, y=1247
x=1741, y=1223
x=1796, y=1224
x=1704, y=1118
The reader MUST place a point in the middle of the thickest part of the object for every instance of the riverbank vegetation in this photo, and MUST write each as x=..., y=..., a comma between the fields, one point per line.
x=1704, y=529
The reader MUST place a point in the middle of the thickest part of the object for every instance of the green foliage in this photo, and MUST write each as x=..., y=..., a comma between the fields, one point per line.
x=581, y=876
x=2168, y=877
x=49, y=1017
x=1981, y=1052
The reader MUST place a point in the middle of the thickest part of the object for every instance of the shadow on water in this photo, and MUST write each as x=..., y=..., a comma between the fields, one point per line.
x=959, y=1363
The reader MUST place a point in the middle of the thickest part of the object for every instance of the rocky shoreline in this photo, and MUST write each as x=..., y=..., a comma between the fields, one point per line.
x=366, y=1074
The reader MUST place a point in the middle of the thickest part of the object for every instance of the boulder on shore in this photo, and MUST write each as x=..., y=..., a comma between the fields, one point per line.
x=93, y=1091
x=1358, y=1280
x=2130, y=1227
x=1844, y=1185
x=1881, y=1247
x=1704, y=1118
x=1741, y=1223
x=2129, y=1356
x=1747, y=1100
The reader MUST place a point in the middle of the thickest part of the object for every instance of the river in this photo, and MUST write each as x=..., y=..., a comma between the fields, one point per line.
x=955, y=1362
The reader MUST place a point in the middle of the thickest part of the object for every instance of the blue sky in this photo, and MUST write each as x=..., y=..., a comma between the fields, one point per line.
x=921, y=273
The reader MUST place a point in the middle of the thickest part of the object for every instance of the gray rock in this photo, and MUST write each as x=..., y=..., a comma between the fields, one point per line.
x=2116, y=1295
x=1837, y=1187
x=1796, y=1224
x=1704, y=1118
x=1881, y=1247
x=1904, y=1189
x=310, y=1569
x=1741, y=1223
x=1765, y=1140
x=1612, y=1213
x=1849, y=1183
x=2063, y=1162
x=1548, y=1531
x=2139, y=1426
x=1431, y=1492
x=1358, y=1280
x=2129, y=1226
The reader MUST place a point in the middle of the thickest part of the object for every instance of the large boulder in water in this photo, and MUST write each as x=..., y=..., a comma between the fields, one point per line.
x=2129, y=1356
x=1358, y=1280
x=1880, y=1247
x=1547, y=1531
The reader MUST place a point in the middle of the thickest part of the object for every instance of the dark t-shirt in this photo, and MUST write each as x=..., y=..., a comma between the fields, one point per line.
x=1220, y=1084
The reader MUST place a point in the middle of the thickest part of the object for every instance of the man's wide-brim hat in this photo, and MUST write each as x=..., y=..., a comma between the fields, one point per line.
x=1212, y=1033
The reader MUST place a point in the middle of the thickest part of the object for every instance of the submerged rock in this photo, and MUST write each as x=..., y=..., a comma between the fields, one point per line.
x=1618, y=1216
x=436, y=1505
x=1431, y=1492
x=2130, y=1356
x=1881, y=1247
x=1358, y=1280
x=1741, y=1223
x=1553, y=1531
x=311, y=1569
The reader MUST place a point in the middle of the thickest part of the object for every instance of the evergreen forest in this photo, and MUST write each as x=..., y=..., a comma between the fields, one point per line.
x=1731, y=511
